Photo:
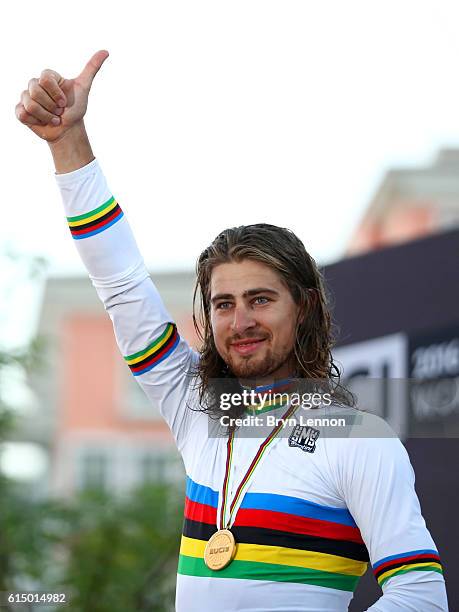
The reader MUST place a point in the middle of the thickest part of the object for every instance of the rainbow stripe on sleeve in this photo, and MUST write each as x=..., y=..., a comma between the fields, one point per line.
x=154, y=353
x=95, y=221
x=414, y=560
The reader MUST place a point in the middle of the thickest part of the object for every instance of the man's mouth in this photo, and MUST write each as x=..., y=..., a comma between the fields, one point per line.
x=245, y=347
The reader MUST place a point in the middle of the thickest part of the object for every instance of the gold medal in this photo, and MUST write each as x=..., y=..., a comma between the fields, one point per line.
x=220, y=549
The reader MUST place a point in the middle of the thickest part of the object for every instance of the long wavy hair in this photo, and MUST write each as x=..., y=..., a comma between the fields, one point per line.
x=281, y=250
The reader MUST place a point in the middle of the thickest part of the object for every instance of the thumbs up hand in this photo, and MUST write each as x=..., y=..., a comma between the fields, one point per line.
x=52, y=104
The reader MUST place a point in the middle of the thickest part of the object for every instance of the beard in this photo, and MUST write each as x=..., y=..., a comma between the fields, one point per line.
x=252, y=367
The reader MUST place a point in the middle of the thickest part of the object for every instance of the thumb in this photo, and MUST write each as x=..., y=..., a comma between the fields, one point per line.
x=88, y=73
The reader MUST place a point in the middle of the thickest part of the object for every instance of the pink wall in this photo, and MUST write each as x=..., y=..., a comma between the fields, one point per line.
x=399, y=225
x=91, y=363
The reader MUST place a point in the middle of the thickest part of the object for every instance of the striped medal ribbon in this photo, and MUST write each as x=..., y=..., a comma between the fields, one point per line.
x=221, y=548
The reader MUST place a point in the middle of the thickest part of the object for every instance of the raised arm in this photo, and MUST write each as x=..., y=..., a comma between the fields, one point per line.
x=53, y=108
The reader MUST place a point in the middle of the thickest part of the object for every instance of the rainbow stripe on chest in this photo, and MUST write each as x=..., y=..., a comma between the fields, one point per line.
x=279, y=538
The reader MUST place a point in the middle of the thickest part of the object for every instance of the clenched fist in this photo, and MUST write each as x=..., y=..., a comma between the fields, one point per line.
x=52, y=104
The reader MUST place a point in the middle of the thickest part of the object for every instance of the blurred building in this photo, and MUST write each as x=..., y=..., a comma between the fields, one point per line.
x=411, y=203
x=102, y=429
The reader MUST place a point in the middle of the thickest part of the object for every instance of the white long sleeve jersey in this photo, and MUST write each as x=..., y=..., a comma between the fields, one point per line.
x=310, y=522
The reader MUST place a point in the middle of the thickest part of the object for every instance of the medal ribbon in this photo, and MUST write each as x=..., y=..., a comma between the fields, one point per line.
x=269, y=393
x=255, y=461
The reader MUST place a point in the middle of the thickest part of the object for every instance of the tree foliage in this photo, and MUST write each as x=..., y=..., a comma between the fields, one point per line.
x=110, y=553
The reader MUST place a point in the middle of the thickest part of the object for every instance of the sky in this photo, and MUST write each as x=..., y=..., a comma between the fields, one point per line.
x=210, y=114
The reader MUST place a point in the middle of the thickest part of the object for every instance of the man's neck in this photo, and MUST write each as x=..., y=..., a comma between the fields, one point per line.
x=266, y=383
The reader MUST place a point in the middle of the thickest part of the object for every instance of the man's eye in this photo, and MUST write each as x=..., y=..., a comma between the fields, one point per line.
x=223, y=305
x=261, y=300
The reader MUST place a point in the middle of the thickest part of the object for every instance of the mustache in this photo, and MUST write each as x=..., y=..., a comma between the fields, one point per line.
x=247, y=336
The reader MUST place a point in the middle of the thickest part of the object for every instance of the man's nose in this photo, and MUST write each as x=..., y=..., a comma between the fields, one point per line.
x=242, y=319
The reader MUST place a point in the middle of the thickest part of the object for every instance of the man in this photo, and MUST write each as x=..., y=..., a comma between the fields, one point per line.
x=287, y=521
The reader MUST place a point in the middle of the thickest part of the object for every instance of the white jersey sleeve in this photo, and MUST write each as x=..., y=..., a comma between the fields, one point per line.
x=375, y=478
x=159, y=359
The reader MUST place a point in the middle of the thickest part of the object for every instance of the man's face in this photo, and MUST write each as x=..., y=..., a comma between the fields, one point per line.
x=253, y=318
